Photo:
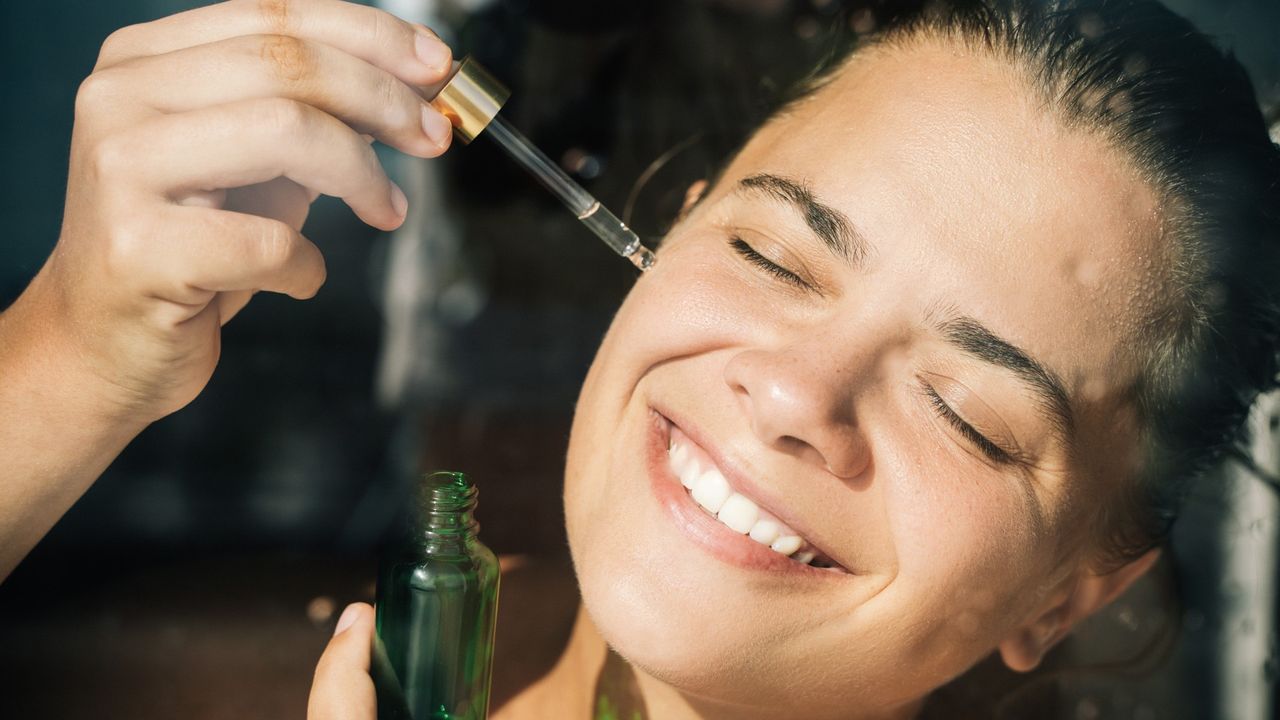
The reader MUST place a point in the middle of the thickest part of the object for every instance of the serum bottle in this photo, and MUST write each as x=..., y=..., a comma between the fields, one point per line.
x=437, y=603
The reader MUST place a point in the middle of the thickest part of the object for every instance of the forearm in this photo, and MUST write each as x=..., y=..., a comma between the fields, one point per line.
x=58, y=433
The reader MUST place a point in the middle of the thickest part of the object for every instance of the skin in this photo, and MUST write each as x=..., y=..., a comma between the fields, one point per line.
x=185, y=198
x=959, y=182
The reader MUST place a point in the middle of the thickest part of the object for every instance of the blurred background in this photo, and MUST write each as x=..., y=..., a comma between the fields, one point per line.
x=202, y=573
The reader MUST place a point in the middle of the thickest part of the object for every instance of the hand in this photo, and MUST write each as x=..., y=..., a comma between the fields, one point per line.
x=200, y=141
x=343, y=689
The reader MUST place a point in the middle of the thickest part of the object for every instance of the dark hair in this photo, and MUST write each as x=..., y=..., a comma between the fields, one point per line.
x=1185, y=113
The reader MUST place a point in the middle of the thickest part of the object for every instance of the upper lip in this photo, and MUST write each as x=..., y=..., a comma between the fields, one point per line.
x=740, y=476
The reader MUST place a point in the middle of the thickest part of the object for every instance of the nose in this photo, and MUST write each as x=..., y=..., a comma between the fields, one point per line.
x=801, y=406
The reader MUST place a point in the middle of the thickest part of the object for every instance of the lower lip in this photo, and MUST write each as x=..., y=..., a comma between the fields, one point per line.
x=704, y=530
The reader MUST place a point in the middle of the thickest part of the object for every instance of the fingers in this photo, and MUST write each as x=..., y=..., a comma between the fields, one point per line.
x=411, y=52
x=248, y=142
x=342, y=688
x=281, y=199
x=218, y=251
x=231, y=303
x=367, y=98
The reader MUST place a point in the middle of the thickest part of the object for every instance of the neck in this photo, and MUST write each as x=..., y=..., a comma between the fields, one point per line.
x=603, y=686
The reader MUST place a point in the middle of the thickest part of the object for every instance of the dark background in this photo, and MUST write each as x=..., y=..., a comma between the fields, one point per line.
x=201, y=573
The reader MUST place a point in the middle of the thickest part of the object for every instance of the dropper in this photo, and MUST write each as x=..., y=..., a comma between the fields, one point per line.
x=471, y=100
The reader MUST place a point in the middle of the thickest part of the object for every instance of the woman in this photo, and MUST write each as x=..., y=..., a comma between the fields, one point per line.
x=917, y=378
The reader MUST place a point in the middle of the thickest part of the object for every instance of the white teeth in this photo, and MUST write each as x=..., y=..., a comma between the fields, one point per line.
x=787, y=544
x=689, y=475
x=679, y=457
x=711, y=491
x=739, y=513
x=765, y=532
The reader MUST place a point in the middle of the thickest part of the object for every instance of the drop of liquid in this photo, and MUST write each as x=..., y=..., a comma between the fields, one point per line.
x=642, y=258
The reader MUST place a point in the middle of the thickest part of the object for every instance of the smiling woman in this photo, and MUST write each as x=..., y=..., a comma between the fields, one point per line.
x=918, y=378
x=948, y=334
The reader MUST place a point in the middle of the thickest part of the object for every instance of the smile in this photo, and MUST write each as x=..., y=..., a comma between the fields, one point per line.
x=705, y=493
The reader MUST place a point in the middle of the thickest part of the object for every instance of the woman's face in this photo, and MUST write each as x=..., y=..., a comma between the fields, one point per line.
x=903, y=326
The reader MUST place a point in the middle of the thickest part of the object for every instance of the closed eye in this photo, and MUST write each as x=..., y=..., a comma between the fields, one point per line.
x=996, y=453
x=749, y=253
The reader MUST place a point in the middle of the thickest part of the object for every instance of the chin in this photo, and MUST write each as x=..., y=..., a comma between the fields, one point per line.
x=671, y=607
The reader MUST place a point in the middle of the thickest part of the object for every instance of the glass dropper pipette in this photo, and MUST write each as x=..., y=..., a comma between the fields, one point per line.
x=471, y=100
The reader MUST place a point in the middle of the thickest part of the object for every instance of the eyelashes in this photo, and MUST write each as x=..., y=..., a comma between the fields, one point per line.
x=988, y=448
x=996, y=453
x=749, y=253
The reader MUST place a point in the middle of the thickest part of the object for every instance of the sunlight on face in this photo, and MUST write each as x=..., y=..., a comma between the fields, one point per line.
x=902, y=325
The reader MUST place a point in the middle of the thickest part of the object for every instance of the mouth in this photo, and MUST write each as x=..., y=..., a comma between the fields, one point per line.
x=722, y=514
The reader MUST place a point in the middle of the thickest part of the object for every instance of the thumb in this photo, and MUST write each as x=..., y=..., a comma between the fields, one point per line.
x=342, y=688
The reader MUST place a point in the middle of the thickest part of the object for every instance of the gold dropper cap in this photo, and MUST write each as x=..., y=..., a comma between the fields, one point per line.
x=470, y=99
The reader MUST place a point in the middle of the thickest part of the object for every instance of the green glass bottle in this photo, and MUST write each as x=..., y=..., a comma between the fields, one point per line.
x=437, y=605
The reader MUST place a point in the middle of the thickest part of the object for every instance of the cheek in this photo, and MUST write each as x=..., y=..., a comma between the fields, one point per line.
x=692, y=301
x=970, y=553
x=676, y=309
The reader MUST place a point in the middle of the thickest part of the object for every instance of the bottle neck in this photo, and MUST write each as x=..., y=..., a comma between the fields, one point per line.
x=444, y=513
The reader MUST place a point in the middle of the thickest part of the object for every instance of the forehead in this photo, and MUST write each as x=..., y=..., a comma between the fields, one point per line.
x=958, y=174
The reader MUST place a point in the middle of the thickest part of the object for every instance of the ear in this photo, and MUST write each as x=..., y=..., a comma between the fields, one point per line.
x=692, y=196
x=1027, y=645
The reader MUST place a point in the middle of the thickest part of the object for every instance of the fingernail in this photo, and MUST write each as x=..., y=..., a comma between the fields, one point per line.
x=399, y=202
x=436, y=126
x=432, y=52
x=347, y=620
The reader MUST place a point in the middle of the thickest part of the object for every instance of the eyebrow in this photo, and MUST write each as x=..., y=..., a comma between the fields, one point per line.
x=976, y=339
x=830, y=225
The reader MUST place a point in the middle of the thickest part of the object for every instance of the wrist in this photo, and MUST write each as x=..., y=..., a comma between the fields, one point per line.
x=47, y=370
